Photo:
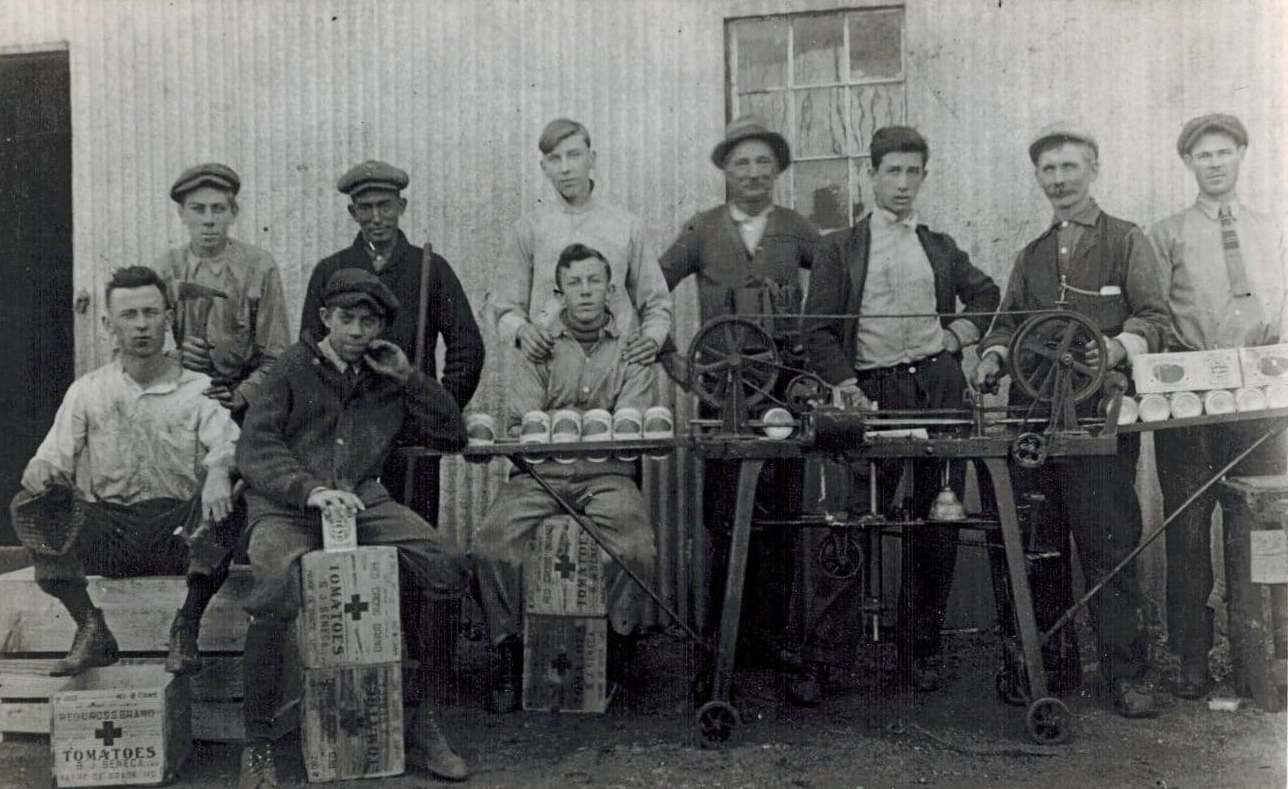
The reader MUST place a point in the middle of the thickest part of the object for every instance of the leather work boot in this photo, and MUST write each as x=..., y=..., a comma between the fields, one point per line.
x=94, y=645
x=427, y=748
x=506, y=693
x=257, y=768
x=183, y=657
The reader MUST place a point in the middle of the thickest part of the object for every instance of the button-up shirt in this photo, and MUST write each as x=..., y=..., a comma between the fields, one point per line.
x=1205, y=314
x=899, y=282
x=132, y=442
x=751, y=227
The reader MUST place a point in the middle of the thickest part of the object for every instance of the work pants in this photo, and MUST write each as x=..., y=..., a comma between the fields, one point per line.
x=829, y=609
x=611, y=501
x=1186, y=459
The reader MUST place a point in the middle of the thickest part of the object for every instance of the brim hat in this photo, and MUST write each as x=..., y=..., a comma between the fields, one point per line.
x=220, y=176
x=372, y=174
x=1212, y=122
x=1057, y=133
x=350, y=287
x=750, y=127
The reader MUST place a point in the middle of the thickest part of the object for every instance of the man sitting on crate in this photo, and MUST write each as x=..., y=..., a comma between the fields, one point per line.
x=136, y=453
x=586, y=369
x=330, y=412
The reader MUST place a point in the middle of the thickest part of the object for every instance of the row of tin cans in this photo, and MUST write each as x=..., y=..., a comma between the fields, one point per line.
x=568, y=426
x=1157, y=407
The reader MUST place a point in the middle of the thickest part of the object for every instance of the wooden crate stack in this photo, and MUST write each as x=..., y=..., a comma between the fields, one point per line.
x=565, y=630
x=35, y=631
x=351, y=648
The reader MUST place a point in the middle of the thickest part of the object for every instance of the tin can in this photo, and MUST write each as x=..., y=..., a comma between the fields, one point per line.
x=628, y=425
x=659, y=425
x=1185, y=405
x=1218, y=401
x=597, y=425
x=535, y=429
x=480, y=429
x=1154, y=408
x=1250, y=398
x=565, y=428
x=1277, y=396
x=778, y=423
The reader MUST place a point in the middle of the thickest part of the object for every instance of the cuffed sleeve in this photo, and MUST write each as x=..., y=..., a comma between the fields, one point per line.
x=647, y=287
x=511, y=303
x=450, y=310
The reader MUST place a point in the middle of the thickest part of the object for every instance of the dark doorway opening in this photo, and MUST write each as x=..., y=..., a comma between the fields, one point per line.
x=37, y=344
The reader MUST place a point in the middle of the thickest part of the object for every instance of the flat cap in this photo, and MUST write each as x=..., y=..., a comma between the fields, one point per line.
x=1058, y=133
x=209, y=174
x=350, y=287
x=372, y=174
x=1195, y=128
x=750, y=127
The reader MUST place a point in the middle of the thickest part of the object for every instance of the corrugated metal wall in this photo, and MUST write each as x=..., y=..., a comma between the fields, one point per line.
x=456, y=91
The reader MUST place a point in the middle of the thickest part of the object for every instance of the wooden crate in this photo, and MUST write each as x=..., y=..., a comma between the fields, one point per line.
x=35, y=631
x=352, y=722
x=1192, y=371
x=1256, y=568
x=350, y=614
x=565, y=663
x=564, y=571
x=120, y=725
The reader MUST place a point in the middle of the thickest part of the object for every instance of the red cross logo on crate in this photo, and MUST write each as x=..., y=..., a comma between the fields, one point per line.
x=108, y=733
x=561, y=664
x=565, y=566
x=356, y=607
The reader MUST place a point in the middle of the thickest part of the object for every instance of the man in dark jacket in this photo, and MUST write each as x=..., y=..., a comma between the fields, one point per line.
x=890, y=264
x=1104, y=268
x=331, y=412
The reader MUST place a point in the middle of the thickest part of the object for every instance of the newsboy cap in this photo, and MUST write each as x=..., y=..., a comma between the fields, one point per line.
x=750, y=127
x=213, y=174
x=1058, y=133
x=1195, y=128
x=372, y=174
x=350, y=287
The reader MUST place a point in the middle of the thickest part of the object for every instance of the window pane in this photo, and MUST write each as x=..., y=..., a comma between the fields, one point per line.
x=862, y=198
x=762, y=53
x=818, y=44
x=871, y=107
x=771, y=107
x=822, y=191
x=820, y=122
x=876, y=44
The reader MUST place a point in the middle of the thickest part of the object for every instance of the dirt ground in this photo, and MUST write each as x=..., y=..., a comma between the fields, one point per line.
x=869, y=734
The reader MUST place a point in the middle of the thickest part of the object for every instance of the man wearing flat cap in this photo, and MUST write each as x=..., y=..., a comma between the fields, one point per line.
x=1223, y=272
x=229, y=324
x=889, y=263
x=1104, y=268
x=748, y=256
x=230, y=311
x=332, y=411
x=527, y=298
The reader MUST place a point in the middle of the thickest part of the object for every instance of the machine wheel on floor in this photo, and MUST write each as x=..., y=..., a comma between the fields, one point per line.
x=1048, y=722
x=717, y=722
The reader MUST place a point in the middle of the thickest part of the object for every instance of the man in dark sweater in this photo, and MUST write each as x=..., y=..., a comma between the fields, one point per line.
x=891, y=264
x=330, y=413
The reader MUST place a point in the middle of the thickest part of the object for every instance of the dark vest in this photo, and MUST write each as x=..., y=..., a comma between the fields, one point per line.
x=1099, y=261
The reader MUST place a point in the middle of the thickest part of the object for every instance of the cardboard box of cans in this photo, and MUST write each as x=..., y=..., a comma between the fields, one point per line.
x=565, y=663
x=352, y=722
x=564, y=571
x=120, y=726
x=1157, y=373
x=350, y=613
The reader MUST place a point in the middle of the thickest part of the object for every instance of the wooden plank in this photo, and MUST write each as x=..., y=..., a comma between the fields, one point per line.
x=219, y=680
x=214, y=721
x=138, y=610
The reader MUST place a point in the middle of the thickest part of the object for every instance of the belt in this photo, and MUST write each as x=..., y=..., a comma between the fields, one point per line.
x=910, y=368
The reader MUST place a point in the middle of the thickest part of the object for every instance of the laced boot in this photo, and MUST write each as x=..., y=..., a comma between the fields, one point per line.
x=93, y=645
x=184, y=657
x=257, y=768
x=427, y=748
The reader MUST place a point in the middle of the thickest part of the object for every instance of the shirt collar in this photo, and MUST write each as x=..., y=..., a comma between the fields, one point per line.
x=1211, y=207
x=887, y=218
x=741, y=216
x=555, y=325
x=1088, y=216
x=569, y=208
x=328, y=353
x=163, y=385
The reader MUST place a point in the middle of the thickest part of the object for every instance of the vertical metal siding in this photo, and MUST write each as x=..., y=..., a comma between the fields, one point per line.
x=292, y=92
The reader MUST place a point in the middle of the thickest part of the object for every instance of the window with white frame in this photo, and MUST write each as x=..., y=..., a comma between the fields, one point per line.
x=825, y=81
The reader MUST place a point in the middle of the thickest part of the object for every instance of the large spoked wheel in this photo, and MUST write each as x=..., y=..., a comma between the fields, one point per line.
x=1056, y=344
x=717, y=723
x=1048, y=722
x=728, y=353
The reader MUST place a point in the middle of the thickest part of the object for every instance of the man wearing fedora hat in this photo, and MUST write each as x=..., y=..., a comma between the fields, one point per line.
x=749, y=256
x=1223, y=272
x=1104, y=268
x=229, y=324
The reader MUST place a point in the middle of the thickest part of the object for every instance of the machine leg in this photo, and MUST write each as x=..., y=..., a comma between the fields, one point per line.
x=1017, y=572
x=717, y=719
